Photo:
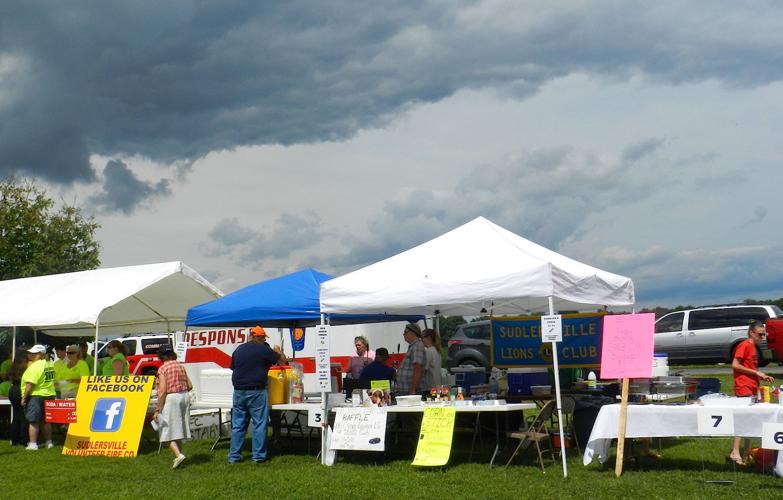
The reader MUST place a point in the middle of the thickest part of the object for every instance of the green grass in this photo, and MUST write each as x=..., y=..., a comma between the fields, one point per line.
x=295, y=474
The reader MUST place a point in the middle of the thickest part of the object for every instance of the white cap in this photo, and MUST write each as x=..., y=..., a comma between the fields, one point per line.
x=37, y=348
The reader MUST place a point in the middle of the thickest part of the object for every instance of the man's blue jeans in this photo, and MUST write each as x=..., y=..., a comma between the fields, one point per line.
x=249, y=405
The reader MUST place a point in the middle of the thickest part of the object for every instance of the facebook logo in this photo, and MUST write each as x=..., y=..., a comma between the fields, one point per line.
x=107, y=415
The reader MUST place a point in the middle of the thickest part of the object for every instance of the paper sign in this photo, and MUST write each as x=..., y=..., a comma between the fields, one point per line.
x=380, y=385
x=552, y=328
x=627, y=346
x=112, y=410
x=315, y=418
x=772, y=436
x=437, y=430
x=716, y=421
x=359, y=429
x=322, y=360
x=60, y=411
x=181, y=350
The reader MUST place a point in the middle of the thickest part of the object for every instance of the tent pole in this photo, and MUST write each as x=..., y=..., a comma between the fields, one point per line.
x=557, y=396
x=325, y=415
x=13, y=344
x=95, y=348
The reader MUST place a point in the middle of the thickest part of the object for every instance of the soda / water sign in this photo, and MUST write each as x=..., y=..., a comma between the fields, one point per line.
x=60, y=411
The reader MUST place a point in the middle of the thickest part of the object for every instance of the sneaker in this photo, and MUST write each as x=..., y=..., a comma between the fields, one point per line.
x=177, y=461
x=49, y=444
x=32, y=446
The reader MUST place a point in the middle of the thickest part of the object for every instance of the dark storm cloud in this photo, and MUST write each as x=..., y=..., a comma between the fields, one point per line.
x=175, y=80
x=123, y=191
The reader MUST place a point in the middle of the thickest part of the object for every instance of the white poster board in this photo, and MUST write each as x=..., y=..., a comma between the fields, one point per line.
x=181, y=350
x=322, y=360
x=552, y=328
x=716, y=421
x=361, y=428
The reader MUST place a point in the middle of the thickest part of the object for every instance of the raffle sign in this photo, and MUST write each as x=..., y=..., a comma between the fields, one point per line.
x=359, y=428
x=112, y=410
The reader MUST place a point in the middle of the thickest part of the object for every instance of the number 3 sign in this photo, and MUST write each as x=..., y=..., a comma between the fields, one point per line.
x=716, y=421
x=772, y=436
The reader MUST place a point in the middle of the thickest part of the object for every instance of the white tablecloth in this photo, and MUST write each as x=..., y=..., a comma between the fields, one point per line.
x=673, y=421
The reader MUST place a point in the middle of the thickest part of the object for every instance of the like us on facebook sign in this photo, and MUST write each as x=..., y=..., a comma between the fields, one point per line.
x=112, y=413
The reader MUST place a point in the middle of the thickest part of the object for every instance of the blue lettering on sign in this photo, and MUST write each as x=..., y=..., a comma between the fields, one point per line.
x=517, y=342
x=107, y=415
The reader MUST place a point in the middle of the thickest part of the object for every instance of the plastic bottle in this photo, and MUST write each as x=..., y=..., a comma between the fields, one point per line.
x=591, y=380
x=460, y=396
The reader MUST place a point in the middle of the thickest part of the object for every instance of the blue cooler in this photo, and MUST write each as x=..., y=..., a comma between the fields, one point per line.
x=468, y=376
x=520, y=380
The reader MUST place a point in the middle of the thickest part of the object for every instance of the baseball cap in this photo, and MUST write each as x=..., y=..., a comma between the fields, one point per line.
x=166, y=350
x=414, y=328
x=258, y=331
x=382, y=351
x=37, y=348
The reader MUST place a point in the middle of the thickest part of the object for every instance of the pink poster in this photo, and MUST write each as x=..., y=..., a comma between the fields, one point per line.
x=627, y=346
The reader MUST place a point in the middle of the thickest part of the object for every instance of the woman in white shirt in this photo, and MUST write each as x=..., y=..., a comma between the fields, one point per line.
x=432, y=370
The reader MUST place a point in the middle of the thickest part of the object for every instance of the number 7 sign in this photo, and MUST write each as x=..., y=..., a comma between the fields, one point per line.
x=716, y=421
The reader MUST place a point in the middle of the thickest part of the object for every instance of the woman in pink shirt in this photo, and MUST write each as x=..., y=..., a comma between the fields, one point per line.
x=364, y=356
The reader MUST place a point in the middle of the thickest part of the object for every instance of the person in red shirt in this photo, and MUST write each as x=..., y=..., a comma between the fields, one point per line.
x=746, y=377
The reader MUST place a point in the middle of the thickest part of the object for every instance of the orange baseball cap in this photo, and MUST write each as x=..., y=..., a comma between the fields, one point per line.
x=258, y=331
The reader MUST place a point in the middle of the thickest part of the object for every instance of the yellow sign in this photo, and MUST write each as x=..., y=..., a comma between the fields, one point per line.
x=379, y=385
x=437, y=429
x=110, y=416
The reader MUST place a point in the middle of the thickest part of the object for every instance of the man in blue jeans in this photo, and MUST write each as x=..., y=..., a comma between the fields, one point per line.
x=250, y=364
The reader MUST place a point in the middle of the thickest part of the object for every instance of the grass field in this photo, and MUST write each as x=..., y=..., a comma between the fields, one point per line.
x=293, y=473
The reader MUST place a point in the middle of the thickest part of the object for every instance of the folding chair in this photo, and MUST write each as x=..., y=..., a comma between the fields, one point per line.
x=537, y=433
x=567, y=407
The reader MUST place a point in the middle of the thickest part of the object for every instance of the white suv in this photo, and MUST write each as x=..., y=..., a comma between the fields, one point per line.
x=710, y=333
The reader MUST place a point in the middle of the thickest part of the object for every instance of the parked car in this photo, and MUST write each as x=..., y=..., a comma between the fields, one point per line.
x=142, y=352
x=470, y=346
x=711, y=333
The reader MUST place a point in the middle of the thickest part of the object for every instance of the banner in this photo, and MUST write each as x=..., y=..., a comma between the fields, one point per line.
x=111, y=414
x=297, y=338
x=437, y=430
x=516, y=342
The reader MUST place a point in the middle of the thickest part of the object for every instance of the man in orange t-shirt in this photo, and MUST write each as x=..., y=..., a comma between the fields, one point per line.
x=746, y=377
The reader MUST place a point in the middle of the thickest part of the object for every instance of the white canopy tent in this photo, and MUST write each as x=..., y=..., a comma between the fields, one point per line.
x=477, y=268
x=132, y=299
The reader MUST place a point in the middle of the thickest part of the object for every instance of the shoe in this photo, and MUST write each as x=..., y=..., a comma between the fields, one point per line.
x=259, y=461
x=739, y=462
x=32, y=446
x=178, y=461
x=49, y=444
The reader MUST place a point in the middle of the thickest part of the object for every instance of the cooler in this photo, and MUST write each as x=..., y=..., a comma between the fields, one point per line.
x=520, y=380
x=468, y=376
x=277, y=383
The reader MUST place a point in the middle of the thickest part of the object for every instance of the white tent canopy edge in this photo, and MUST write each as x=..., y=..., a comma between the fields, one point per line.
x=474, y=269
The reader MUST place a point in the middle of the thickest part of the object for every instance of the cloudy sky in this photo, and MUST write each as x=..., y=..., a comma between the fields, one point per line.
x=250, y=139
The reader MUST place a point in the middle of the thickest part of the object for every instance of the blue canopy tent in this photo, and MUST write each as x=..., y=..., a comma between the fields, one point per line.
x=292, y=300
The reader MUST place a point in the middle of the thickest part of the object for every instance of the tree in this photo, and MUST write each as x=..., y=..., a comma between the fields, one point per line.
x=36, y=239
x=448, y=325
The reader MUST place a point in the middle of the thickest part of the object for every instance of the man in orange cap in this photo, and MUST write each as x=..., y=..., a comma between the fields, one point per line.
x=250, y=364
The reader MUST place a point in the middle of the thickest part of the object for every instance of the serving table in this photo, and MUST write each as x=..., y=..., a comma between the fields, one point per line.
x=674, y=421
